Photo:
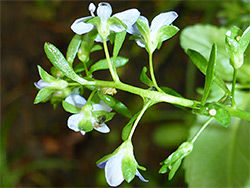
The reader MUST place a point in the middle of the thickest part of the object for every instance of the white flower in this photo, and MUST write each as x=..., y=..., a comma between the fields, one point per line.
x=75, y=119
x=163, y=19
x=115, y=171
x=104, y=12
x=42, y=84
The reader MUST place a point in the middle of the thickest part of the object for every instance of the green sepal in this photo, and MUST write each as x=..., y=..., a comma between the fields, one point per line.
x=96, y=48
x=165, y=33
x=103, y=64
x=127, y=128
x=105, y=116
x=86, y=124
x=56, y=73
x=141, y=167
x=201, y=63
x=144, y=78
x=244, y=40
x=45, y=76
x=73, y=48
x=105, y=158
x=116, y=21
x=58, y=60
x=129, y=166
x=143, y=28
x=115, y=104
x=172, y=163
x=119, y=39
x=43, y=95
x=70, y=108
x=209, y=73
x=95, y=21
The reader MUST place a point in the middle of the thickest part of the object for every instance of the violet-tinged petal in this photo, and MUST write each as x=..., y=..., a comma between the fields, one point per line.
x=113, y=170
x=104, y=11
x=74, y=120
x=80, y=27
x=134, y=28
x=103, y=128
x=102, y=165
x=162, y=19
x=140, y=176
x=76, y=100
x=42, y=84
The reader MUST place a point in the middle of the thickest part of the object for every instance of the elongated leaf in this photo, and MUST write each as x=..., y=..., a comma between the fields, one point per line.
x=201, y=63
x=209, y=74
x=245, y=39
x=115, y=104
x=58, y=60
x=144, y=78
x=73, y=48
x=119, y=39
x=126, y=130
x=103, y=64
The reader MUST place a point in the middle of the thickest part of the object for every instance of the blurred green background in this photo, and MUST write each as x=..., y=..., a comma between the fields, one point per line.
x=38, y=149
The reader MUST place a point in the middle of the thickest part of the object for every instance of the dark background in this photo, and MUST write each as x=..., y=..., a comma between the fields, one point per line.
x=37, y=148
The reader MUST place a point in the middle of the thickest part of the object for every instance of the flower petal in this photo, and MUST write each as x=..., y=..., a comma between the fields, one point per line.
x=76, y=100
x=103, y=128
x=140, y=176
x=134, y=28
x=140, y=43
x=103, y=164
x=113, y=170
x=80, y=27
x=162, y=19
x=92, y=8
x=102, y=106
x=74, y=120
x=42, y=84
x=104, y=11
x=98, y=38
x=128, y=17
x=83, y=132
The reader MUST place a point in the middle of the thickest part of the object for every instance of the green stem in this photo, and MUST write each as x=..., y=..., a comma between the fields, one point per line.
x=201, y=129
x=112, y=69
x=151, y=69
x=91, y=95
x=86, y=70
x=145, y=107
x=233, y=87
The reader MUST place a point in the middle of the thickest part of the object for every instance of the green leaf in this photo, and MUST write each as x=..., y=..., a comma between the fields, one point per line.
x=119, y=39
x=73, y=48
x=144, y=78
x=200, y=38
x=127, y=128
x=128, y=167
x=244, y=40
x=58, y=60
x=43, y=94
x=103, y=64
x=166, y=32
x=220, y=157
x=209, y=74
x=70, y=107
x=115, y=104
x=201, y=63
x=44, y=75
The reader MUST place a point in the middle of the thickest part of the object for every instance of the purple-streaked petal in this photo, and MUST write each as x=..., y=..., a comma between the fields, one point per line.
x=134, y=28
x=74, y=120
x=162, y=19
x=103, y=128
x=104, y=11
x=102, y=165
x=42, y=84
x=76, y=100
x=140, y=176
x=101, y=107
x=80, y=27
x=113, y=170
